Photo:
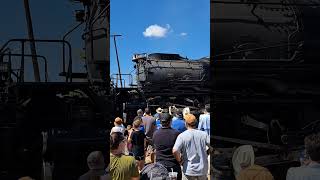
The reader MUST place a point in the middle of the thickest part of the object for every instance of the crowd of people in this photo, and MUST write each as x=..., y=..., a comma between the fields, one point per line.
x=176, y=145
x=167, y=144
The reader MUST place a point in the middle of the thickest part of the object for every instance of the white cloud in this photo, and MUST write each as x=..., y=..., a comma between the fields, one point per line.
x=156, y=31
x=183, y=34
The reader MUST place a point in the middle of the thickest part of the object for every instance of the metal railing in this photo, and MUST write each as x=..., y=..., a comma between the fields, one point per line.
x=115, y=77
x=29, y=55
x=23, y=41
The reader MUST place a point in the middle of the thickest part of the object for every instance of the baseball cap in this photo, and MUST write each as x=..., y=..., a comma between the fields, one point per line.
x=165, y=117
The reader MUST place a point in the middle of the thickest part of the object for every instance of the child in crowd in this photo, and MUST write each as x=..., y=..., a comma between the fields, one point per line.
x=118, y=126
x=138, y=140
x=129, y=131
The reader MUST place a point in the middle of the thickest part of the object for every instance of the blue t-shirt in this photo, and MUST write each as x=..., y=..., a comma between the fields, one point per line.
x=192, y=144
x=158, y=124
x=204, y=123
x=156, y=116
x=141, y=128
x=174, y=118
x=179, y=125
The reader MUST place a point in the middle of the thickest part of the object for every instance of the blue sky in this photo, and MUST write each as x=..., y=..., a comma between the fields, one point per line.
x=175, y=26
x=51, y=19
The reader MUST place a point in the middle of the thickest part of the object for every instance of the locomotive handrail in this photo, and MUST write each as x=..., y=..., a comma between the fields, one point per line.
x=91, y=30
x=117, y=79
x=43, y=40
x=165, y=67
x=30, y=55
x=63, y=45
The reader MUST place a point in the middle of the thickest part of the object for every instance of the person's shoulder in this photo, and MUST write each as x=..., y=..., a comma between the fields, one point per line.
x=180, y=121
x=133, y=132
x=258, y=168
x=200, y=133
x=174, y=131
x=184, y=134
x=297, y=171
x=157, y=132
x=177, y=133
x=138, y=133
x=128, y=158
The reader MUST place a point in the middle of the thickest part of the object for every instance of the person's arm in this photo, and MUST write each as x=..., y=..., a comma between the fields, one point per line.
x=111, y=130
x=177, y=148
x=210, y=149
x=200, y=123
x=177, y=155
x=134, y=170
x=207, y=140
x=145, y=143
x=130, y=137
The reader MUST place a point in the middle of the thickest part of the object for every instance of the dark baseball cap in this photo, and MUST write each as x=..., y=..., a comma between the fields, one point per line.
x=165, y=117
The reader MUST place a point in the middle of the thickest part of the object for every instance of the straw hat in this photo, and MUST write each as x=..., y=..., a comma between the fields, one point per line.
x=243, y=155
x=159, y=110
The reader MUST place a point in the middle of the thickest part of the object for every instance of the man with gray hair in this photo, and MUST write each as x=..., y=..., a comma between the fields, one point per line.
x=140, y=112
x=96, y=164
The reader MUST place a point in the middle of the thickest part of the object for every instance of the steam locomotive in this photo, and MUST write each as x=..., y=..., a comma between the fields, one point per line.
x=265, y=60
x=170, y=76
x=164, y=80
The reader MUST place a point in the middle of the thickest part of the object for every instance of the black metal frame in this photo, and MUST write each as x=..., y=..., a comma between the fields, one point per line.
x=22, y=41
x=30, y=55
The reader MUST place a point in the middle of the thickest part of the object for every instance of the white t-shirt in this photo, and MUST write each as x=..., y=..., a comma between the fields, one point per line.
x=192, y=143
x=120, y=128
